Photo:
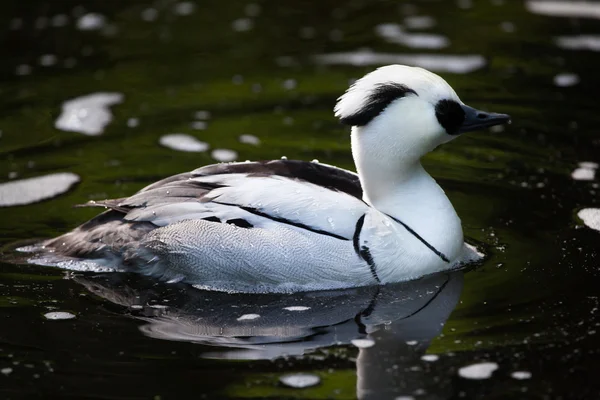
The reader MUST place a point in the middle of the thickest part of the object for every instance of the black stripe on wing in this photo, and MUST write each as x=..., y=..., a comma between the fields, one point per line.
x=254, y=211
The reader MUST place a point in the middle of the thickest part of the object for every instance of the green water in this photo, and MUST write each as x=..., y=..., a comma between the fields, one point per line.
x=532, y=306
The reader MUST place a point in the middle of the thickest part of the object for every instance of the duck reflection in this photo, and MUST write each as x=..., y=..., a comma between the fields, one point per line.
x=400, y=319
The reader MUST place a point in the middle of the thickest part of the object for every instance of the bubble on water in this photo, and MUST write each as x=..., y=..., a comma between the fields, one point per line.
x=32, y=190
x=248, y=317
x=199, y=125
x=521, y=375
x=430, y=357
x=224, y=155
x=6, y=371
x=202, y=115
x=252, y=10
x=58, y=315
x=149, y=14
x=242, y=24
x=23, y=70
x=60, y=20
x=508, y=27
x=88, y=114
x=91, y=22
x=289, y=84
x=482, y=370
x=183, y=142
x=249, y=139
x=133, y=122
x=300, y=381
x=48, y=60
x=566, y=79
x=363, y=343
x=296, y=308
x=184, y=8
x=419, y=22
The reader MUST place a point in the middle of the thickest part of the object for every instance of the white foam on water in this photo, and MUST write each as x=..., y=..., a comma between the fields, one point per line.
x=249, y=139
x=459, y=64
x=32, y=190
x=521, y=375
x=6, y=371
x=183, y=142
x=58, y=315
x=579, y=42
x=586, y=171
x=248, y=317
x=590, y=217
x=242, y=25
x=23, y=70
x=419, y=22
x=393, y=33
x=91, y=22
x=567, y=8
x=202, y=115
x=296, y=308
x=149, y=14
x=430, y=357
x=300, y=381
x=184, y=8
x=363, y=343
x=88, y=114
x=48, y=60
x=566, y=79
x=482, y=370
x=199, y=125
x=224, y=155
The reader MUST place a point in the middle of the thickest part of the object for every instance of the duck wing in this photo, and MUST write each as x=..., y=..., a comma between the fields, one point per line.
x=316, y=197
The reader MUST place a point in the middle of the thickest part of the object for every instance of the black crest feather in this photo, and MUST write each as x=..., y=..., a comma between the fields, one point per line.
x=378, y=100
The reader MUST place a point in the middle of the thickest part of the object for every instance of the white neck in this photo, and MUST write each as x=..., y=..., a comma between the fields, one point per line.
x=395, y=183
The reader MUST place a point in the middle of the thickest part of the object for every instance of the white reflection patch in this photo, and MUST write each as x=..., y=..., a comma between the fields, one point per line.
x=91, y=22
x=433, y=62
x=32, y=190
x=88, y=114
x=590, y=217
x=478, y=371
x=300, y=381
x=393, y=33
x=585, y=171
x=579, y=42
x=224, y=155
x=183, y=142
x=566, y=79
x=565, y=8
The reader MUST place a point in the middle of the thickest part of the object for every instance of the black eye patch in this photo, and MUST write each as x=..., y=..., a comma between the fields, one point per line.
x=450, y=115
x=381, y=97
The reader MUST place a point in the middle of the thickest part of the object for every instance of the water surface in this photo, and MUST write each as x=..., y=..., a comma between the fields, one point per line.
x=259, y=81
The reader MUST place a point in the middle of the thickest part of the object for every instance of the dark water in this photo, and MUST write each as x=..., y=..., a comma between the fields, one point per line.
x=530, y=311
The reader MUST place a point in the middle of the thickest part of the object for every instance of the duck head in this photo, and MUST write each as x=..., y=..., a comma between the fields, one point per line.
x=400, y=113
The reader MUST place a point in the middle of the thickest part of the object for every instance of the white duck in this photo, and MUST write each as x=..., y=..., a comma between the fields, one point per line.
x=283, y=226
